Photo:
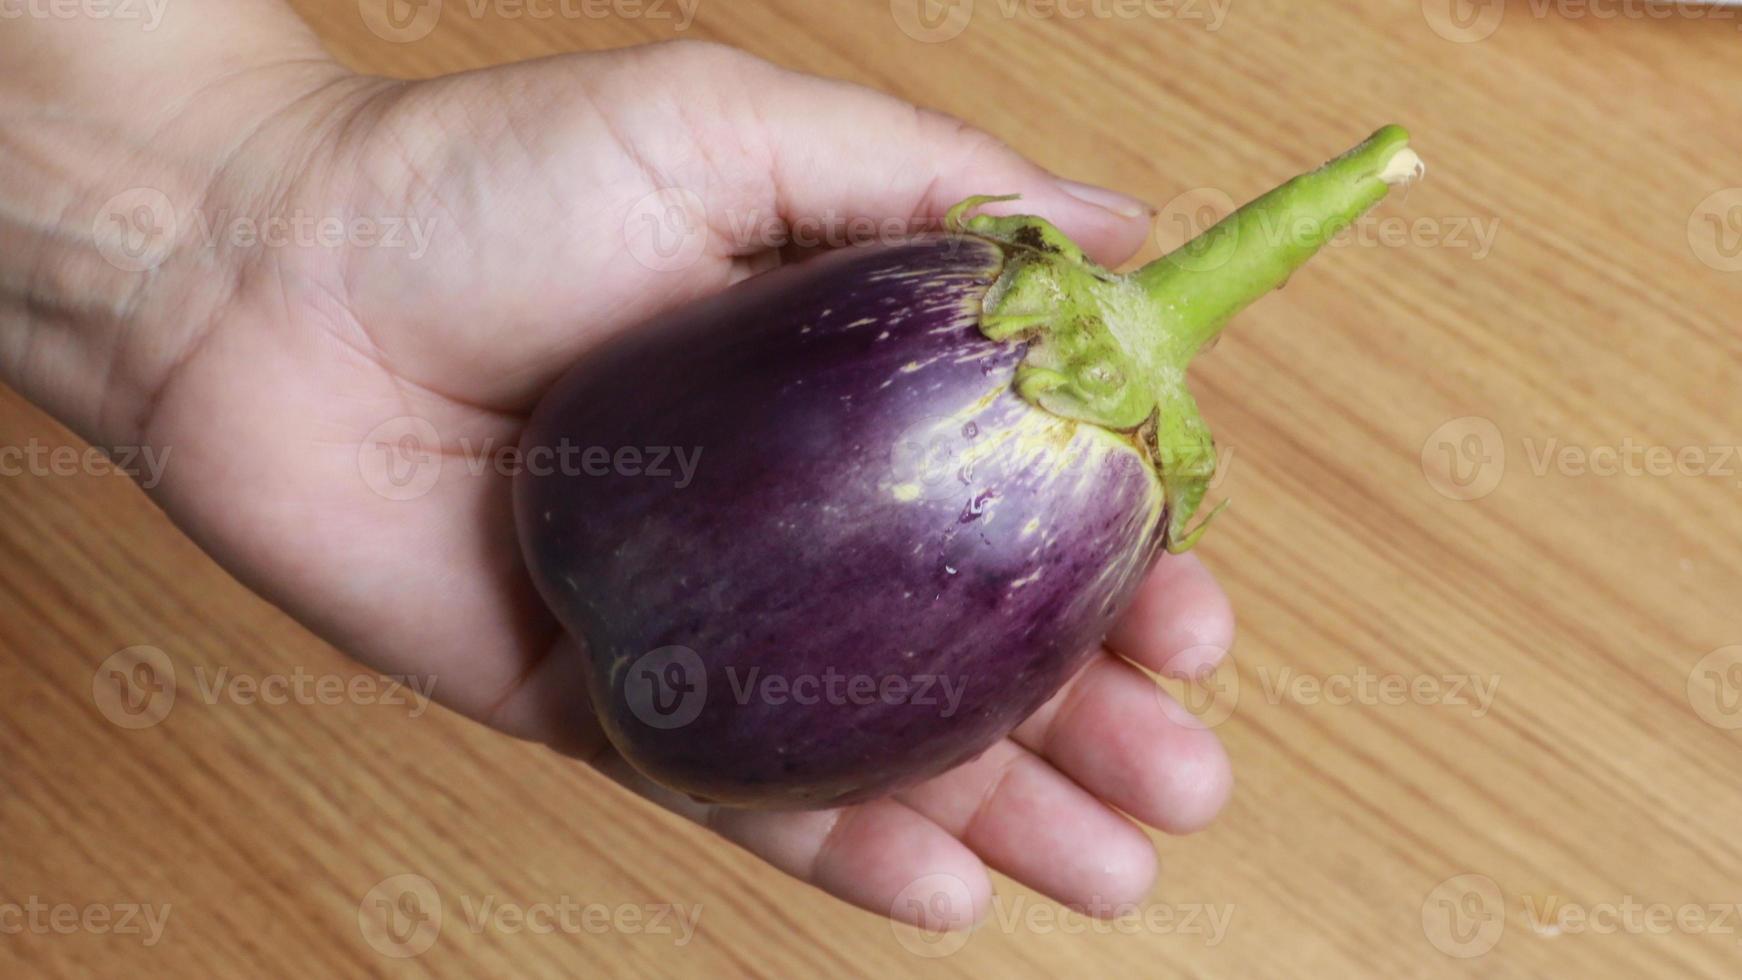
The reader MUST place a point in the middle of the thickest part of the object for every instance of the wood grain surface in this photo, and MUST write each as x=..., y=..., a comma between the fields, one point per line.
x=1486, y=702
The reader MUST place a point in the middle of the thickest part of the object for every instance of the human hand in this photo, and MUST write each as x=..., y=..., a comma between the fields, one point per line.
x=274, y=371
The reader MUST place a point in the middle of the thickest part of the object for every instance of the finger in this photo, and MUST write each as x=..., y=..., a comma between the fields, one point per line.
x=1117, y=733
x=823, y=147
x=549, y=703
x=1180, y=624
x=1029, y=821
x=881, y=856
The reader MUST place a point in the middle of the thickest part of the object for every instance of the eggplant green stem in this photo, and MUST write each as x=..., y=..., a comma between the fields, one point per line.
x=1112, y=350
x=1255, y=249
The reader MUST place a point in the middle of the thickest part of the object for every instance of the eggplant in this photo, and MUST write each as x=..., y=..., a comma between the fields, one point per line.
x=842, y=526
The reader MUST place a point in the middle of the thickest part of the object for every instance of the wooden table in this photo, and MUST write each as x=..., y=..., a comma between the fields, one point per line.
x=1486, y=701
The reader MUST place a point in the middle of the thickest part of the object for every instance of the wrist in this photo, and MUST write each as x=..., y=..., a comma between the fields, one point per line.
x=104, y=282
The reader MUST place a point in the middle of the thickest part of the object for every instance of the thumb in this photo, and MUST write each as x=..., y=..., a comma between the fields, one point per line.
x=816, y=149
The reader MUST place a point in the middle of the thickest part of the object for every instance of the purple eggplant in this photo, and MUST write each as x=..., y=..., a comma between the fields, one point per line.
x=842, y=526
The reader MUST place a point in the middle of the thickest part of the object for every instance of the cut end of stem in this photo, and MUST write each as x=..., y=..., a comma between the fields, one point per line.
x=1404, y=168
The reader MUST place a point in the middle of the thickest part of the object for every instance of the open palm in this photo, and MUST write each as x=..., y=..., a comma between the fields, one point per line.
x=306, y=401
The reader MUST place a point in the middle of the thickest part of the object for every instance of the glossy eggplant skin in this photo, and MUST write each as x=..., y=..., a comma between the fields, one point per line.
x=874, y=520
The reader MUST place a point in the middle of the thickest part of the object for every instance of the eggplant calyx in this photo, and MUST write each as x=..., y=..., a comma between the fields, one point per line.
x=1111, y=350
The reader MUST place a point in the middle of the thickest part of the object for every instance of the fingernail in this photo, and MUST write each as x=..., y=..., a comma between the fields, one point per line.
x=1106, y=200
